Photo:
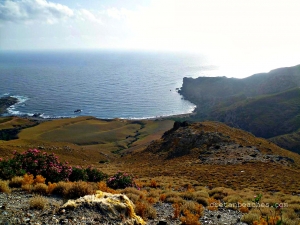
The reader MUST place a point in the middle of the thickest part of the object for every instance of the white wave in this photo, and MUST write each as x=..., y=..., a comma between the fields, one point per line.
x=12, y=109
x=21, y=99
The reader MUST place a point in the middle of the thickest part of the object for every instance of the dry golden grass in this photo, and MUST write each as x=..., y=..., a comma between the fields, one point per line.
x=4, y=186
x=27, y=187
x=38, y=202
x=213, y=204
x=192, y=207
x=154, y=193
x=243, y=208
x=233, y=198
x=187, y=195
x=190, y=218
x=201, y=200
x=51, y=187
x=16, y=182
x=162, y=197
x=103, y=187
x=61, y=188
x=250, y=217
x=40, y=188
x=132, y=190
x=133, y=197
x=145, y=210
x=78, y=189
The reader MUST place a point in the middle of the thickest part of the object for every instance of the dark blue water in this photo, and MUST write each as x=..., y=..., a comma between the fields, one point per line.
x=104, y=84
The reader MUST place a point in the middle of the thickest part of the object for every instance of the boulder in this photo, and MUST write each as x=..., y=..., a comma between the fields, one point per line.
x=116, y=208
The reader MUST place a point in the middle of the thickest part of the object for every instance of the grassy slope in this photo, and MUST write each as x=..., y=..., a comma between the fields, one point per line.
x=85, y=140
x=12, y=122
x=260, y=176
x=288, y=141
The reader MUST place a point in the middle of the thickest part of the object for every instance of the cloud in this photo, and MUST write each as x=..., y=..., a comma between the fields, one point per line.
x=33, y=10
x=86, y=15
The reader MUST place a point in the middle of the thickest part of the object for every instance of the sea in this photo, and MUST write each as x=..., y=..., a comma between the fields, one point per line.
x=104, y=84
x=101, y=83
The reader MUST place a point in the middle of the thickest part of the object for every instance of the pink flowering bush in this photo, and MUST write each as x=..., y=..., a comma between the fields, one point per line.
x=35, y=162
x=121, y=180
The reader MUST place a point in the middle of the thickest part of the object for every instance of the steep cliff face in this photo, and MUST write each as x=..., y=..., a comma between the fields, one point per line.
x=267, y=116
x=204, y=88
x=266, y=104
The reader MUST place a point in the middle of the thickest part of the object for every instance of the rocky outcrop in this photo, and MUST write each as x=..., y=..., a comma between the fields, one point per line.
x=6, y=102
x=211, y=146
x=182, y=139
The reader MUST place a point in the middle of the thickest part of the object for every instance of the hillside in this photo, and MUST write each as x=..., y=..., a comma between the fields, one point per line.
x=174, y=163
x=266, y=116
x=215, y=154
x=79, y=140
x=266, y=104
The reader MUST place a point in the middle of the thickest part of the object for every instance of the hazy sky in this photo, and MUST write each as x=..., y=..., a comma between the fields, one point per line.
x=246, y=28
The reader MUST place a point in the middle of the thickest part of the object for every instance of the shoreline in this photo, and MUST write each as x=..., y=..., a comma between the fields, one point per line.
x=37, y=117
x=41, y=119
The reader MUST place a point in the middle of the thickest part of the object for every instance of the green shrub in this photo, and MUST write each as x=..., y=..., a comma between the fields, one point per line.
x=120, y=181
x=11, y=168
x=78, y=174
x=95, y=175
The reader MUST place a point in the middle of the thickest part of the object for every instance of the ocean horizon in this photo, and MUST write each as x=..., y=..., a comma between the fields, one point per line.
x=104, y=84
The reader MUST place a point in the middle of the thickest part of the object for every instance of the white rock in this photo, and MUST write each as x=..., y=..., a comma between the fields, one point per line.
x=112, y=206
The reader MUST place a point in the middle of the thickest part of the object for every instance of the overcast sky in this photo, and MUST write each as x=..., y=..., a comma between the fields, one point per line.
x=252, y=28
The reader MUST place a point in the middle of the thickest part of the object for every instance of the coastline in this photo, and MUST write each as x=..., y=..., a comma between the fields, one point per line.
x=40, y=119
x=9, y=101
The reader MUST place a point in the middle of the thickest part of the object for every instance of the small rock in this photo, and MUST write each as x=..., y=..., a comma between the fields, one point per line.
x=62, y=211
x=64, y=221
x=30, y=215
x=26, y=219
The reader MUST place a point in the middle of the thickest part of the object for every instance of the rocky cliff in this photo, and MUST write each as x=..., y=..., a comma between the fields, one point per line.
x=266, y=104
x=6, y=102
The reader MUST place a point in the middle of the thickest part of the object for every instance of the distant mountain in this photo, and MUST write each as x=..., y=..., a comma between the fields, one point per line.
x=265, y=104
